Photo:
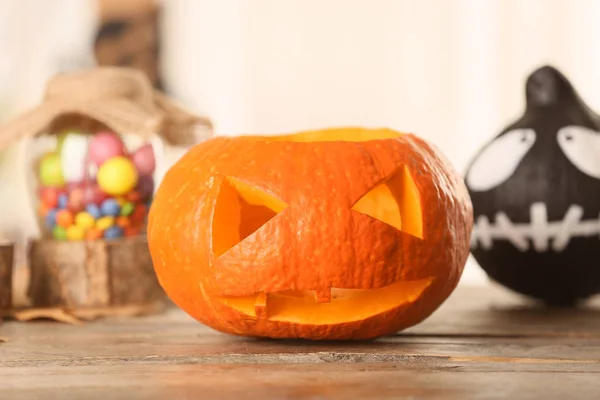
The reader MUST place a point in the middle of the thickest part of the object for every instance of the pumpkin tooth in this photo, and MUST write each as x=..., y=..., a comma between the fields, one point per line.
x=260, y=305
x=323, y=295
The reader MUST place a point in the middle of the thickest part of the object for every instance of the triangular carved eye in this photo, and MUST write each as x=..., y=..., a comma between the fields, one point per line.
x=240, y=210
x=395, y=201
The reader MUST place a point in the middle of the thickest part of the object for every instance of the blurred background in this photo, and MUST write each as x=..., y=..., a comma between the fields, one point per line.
x=451, y=71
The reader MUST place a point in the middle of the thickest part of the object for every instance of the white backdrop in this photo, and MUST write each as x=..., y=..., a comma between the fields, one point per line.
x=451, y=71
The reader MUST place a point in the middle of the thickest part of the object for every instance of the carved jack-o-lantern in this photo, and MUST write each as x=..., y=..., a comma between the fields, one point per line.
x=535, y=191
x=335, y=234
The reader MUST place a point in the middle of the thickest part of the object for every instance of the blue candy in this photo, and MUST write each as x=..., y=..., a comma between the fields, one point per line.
x=113, y=232
x=93, y=210
x=51, y=218
x=63, y=200
x=110, y=207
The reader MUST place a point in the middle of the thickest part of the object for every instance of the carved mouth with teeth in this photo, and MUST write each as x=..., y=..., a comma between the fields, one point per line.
x=540, y=232
x=327, y=306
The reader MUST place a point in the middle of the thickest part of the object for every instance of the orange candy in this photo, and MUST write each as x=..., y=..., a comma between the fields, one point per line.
x=123, y=222
x=133, y=196
x=64, y=218
x=93, y=234
x=43, y=210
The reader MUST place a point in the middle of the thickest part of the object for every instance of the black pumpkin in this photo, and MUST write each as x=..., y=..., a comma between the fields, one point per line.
x=536, y=196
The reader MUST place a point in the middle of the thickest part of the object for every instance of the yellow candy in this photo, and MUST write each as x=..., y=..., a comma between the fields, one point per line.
x=85, y=220
x=117, y=176
x=105, y=223
x=75, y=232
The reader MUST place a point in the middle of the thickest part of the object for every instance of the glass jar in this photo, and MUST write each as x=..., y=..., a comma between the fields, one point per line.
x=90, y=182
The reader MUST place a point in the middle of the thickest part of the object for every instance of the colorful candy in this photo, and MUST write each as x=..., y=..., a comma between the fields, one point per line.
x=93, y=188
x=50, y=170
x=51, y=218
x=49, y=197
x=64, y=218
x=133, y=196
x=144, y=161
x=105, y=223
x=85, y=220
x=93, y=234
x=123, y=222
x=117, y=176
x=92, y=193
x=63, y=201
x=43, y=210
x=145, y=186
x=93, y=210
x=127, y=209
x=103, y=146
x=138, y=215
x=76, y=203
x=110, y=207
x=75, y=232
x=113, y=232
x=73, y=156
x=59, y=233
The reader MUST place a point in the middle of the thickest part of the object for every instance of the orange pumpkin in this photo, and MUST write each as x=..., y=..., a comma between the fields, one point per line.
x=336, y=234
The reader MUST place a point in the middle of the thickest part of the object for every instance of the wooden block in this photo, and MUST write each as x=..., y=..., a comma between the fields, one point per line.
x=6, y=272
x=92, y=274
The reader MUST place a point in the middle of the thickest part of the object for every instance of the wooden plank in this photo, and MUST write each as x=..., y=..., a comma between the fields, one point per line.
x=495, y=311
x=482, y=343
x=427, y=380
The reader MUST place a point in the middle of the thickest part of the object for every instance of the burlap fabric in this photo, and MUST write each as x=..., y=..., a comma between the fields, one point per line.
x=120, y=98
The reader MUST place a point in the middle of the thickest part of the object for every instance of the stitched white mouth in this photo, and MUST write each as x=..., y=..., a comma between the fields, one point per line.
x=538, y=232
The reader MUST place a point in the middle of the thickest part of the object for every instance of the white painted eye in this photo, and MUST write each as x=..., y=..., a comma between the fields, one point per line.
x=582, y=147
x=500, y=159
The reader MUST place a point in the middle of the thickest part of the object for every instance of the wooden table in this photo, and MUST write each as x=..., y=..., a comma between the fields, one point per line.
x=482, y=343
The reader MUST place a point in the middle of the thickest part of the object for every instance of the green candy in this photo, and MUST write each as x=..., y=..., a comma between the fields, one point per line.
x=59, y=233
x=51, y=170
x=127, y=209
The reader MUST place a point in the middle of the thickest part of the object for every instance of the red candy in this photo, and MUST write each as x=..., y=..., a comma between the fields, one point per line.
x=138, y=215
x=49, y=196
